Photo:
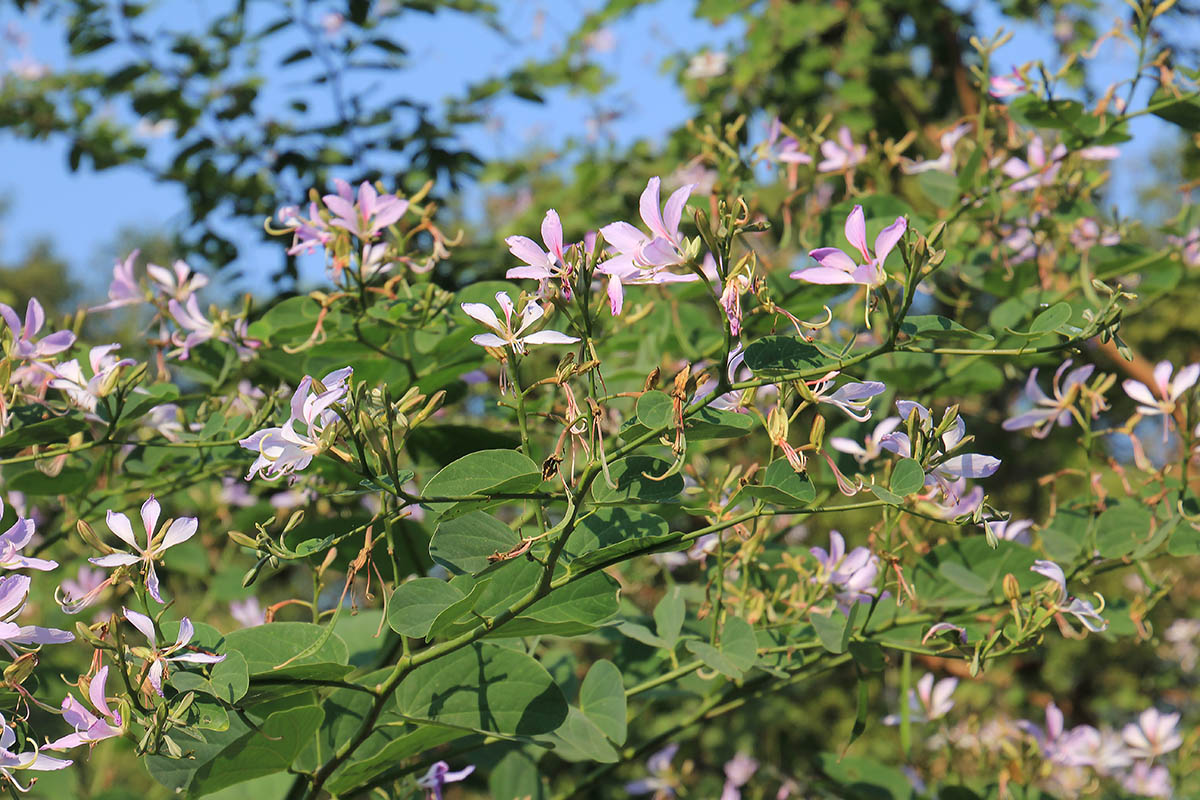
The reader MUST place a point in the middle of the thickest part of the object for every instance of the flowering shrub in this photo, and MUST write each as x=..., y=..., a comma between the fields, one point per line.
x=544, y=533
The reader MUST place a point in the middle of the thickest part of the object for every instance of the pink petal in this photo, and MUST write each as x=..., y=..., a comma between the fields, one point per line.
x=118, y=523
x=833, y=258
x=856, y=231
x=823, y=275
x=888, y=237
x=552, y=233
x=648, y=206
x=673, y=211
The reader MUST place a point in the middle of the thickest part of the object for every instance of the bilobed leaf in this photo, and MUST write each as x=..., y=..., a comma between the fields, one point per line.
x=638, y=478
x=1121, y=528
x=611, y=526
x=265, y=646
x=782, y=486
x=602, y=699
x=456, y=611
x=481, y=473
x=416, y=604
x=579, y=738
x=484, y=688
x=654, y=410
x=779, y=354
x=463, y=544
x=736, y=653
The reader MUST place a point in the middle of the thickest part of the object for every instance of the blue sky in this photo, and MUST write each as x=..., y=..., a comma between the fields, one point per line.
x=82, y=211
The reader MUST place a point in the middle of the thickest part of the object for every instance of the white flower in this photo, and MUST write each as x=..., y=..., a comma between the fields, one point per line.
x=158, y=657
x=505, y=335
x=178, y=532
x=1154, y=734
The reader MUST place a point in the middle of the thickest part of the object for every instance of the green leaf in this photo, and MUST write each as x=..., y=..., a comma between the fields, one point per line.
x=238, y=754
x=1052, y=319
x=484, y=688
x=579, y=738
x=949, y=587
x=416, y=604
x=737, y=652
x=265, y=646
x=481, y=473
x=655, y=410
x=785, y=354
x=886, y=496
x=963, y=578
x=69, y=480
x=669, y=615
x=462, y=545
x=612, y=526
x=47, y=431
x=231, y=678
x=602, y=699
x=782, y=486
x=941, y=188
x=1181, y=112
x=865, y=778
x=868, y=655
x=907, y=477
x=1185, y=541
x=932, y=326
x=456, y=611
x=831, y=628
x=635, y=479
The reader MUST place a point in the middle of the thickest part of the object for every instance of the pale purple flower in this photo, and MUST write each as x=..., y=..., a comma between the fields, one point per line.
x=435, y=780
x=1039, y=170
x=84, y=392
x=1056, y=744
x=870, y=448
x=738, y=772
x=504, y=334
x=1010, y=530
x=1021, y=239
x=841, y=154
x=76, y=594
x=33, y=760
x=944, y=162
x=644, y=258
x=1102, y=750
x=14, y=591
x=1153, y=735
x=179, y=531
x=190, y=318
x=89, y=727
x=370, y=215
x=662, y=779
x=1146, y=780
x=24, y=345
x=1189, y=244
x=851, y=398
x=247, y=613
x=292, y=446
x=177, y=283
x=158, y=657
x=837, y=267
x=709, y=64
x=853, y=573
x=374, y=261
x=124, y=289
x=1083, y=611
x=929, y=701
x=542, y=265
x=14, y=540
x=1087, y=233
x=1046, y=410
x=1169, y=391
x=946, y=475
x=786, y=150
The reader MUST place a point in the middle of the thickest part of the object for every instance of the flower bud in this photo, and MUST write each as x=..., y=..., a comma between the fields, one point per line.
x=89, y=536
x=816, y=436
x=17, y=672
x=1012, y=590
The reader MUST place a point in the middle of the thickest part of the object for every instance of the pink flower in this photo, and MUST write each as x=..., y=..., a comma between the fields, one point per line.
x=370, y=215
x=786, y=150
x=124, y=289
x=1146, y=780
x=89, y=728
x=179, y=282
x=842, y=154
x=837, y=267
x=929, y=701
x=542, y=265
x=76, y=594
x=248, y=613
x=504, y=334
x=292, y=446
x=1039, y=169
x=644, y=258
x=1008, y=85
x=851, y=398
x=85, y=393
x=1189, y=244
x=852, y=574
x=158, y=657
x=179, y=531
x=1087, y=234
